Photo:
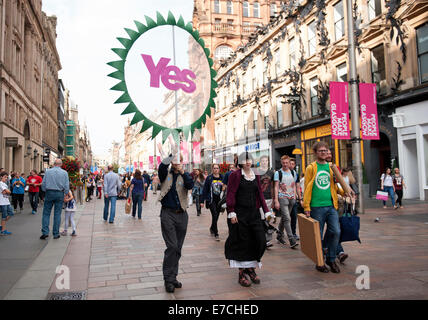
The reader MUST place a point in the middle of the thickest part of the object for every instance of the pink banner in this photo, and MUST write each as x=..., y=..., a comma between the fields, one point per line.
x=151, y=162
x=135, y=165
x=339, y=111
x=369, y=117
x=196, y=152
x=141, y=165
x=158, y=160
x=184, y=151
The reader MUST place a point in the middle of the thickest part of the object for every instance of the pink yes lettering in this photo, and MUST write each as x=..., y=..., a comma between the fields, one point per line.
x=171, y=76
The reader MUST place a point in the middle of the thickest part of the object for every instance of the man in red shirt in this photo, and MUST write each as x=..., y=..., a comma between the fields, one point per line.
x=34, y=182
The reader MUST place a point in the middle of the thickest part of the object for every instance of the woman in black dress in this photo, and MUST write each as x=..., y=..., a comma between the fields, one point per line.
x=246, y=243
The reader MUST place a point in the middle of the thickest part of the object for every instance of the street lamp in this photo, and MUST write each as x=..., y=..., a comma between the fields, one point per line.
x=29, y=150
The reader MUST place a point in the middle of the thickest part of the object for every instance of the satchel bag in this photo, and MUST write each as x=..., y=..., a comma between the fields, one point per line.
x=128, y=206
x=349, y=228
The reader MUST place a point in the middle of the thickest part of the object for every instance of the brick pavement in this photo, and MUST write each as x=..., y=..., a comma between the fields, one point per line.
x=124, y=260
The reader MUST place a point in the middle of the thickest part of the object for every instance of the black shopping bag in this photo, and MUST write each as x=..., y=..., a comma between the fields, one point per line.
x=349, y=228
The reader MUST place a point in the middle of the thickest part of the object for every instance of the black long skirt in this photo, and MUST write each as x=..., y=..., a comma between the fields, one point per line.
x=247, y=238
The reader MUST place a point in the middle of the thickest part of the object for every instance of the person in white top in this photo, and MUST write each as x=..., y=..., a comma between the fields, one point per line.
x=5, y=207
x=387, y=185
x=70, y=210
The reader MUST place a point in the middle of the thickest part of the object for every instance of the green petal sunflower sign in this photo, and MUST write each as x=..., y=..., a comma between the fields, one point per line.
x=166, y=77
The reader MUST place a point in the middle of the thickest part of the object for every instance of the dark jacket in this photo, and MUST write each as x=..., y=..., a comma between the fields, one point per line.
x=232, y=188
x=207, y=191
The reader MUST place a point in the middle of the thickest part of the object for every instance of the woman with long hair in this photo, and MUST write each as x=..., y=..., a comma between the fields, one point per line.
x=137, y=191
x=212, y=195
x=398, y=185
x=198, y=189
x=246, y=243
x=387, y=185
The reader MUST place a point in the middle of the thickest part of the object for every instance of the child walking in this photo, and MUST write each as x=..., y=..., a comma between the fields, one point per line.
x=6, y=210
x=70, y=210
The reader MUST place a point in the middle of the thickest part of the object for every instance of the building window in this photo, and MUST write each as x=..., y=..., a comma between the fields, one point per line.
x=266, y=113
x=272, y=9
x=339, y=21
x=422, y=39
x=246, y=9
x=216, y=6
x=345, y=153
x=277, y=62
x=255, y=118
x=244, y=85
x=314, y=96
x=292, y=53
x=225, y=101
x=279, y=112
x=256, y=10
x=223, y=52
x=312, y=41
x=375, y=8
x=378, y=65
x=229, y=6
x=234, y=127
x=342, y=72
x=265, y=71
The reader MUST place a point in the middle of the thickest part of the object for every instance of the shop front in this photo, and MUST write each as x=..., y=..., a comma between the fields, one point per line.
x=340, y=149
x=284, y=144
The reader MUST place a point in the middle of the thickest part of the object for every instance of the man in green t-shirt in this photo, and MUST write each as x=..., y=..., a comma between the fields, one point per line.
x=321, y=203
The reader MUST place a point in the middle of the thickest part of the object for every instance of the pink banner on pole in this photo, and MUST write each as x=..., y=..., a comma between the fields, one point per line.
x=151, y=162
x=158, y=160
x=369, y=117
x=196, y=152
x=339, y=110
x=141, y=165
x=135, y=165
x=184, y=151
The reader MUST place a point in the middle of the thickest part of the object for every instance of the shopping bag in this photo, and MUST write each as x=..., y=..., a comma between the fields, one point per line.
x=382, y=195
x=349, y=228
x=128, y=206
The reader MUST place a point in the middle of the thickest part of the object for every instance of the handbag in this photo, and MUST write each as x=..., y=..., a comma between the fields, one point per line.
x=382, y=195
x=349, y=227
x=128, y=206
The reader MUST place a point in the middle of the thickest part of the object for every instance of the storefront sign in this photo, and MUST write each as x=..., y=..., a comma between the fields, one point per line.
x=252, y=147
x=291, y=139
x=339, y=110
x=369, y=118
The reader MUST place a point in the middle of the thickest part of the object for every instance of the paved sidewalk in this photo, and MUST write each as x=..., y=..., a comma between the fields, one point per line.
x=124, y=260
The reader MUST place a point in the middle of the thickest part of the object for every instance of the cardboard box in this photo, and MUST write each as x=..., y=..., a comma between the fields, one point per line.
x=310, y=239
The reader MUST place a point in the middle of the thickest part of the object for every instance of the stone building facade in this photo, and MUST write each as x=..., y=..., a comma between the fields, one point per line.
x=29, y=65
x=279, y=81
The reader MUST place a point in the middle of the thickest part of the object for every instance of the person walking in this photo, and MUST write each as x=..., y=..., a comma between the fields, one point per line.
x=246, y=243
x=100, y=183
x=284, y=199
x=211, y=195
x=34, y=182
x=5, y=207
x=137, y=190
x=266, y=179
x=70, y=210
x=198, y=190
x=387, y=185
x=293, y=213
x=175, y=186
x=112, y=186
x=155, y=183
x=399, y=184
x=320, y=202
x=18, y=192
x=90, y=186
x=56, y=185
x=147, y=182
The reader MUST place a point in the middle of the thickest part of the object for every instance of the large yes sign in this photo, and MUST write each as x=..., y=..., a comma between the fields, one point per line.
x=172, y=77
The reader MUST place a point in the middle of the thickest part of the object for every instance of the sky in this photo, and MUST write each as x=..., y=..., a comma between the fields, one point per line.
x=86, y=32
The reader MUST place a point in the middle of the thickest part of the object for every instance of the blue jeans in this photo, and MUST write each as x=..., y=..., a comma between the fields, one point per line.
x=52, y=198
x=330, y=216
x=107, y=201
x=34, y=200
x=391, y=193
x=137, y=198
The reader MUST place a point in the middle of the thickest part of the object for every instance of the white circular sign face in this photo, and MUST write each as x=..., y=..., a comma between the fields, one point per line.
x=167, y=69
x=322, y=180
